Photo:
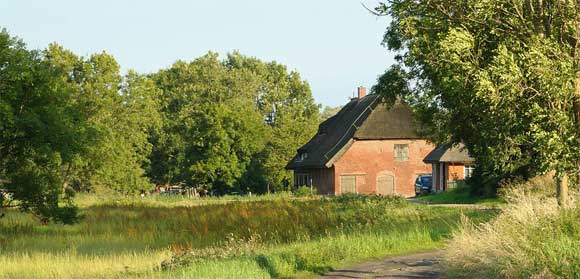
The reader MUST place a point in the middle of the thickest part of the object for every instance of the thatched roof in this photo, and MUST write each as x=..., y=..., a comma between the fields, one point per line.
x=384, y=123
x=448, y=153
x=360, y=119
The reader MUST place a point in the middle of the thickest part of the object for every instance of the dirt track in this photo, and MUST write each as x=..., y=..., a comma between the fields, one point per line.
x=422, y=265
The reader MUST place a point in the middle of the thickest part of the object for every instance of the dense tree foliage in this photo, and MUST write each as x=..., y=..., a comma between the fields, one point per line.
x=41, y=131
x=70, y=122
x=76, y=123
x=231, y=124
x=119, y=112
x=503, y=76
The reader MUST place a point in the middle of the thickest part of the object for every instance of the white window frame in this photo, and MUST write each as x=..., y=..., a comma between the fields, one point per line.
x=468, y=171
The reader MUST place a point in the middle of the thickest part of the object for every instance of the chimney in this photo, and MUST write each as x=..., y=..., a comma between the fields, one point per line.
x=362, y=91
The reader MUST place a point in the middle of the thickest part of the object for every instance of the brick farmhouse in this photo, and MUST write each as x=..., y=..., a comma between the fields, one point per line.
x=366, y=148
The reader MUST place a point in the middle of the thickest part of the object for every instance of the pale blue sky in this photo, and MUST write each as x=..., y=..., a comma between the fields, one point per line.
x=335, y=45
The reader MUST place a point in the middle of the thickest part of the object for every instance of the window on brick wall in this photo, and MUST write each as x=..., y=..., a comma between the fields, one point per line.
x=401, y=152
x=348, y=184
x=468, y=170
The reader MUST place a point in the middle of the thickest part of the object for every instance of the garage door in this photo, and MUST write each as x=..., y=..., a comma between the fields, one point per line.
x=348, y=183
x=386, y=185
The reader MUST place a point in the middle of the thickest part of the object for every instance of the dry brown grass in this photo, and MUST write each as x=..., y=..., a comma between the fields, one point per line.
x=513, y=244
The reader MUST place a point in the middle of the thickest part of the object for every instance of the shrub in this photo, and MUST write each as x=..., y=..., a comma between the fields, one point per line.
x=303, y=191
x=481, y=185
x=387, y=200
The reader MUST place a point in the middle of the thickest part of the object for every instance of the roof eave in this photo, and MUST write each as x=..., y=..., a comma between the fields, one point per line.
x=339, y=154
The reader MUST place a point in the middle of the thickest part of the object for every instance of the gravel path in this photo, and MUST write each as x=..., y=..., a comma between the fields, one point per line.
x=423, y=265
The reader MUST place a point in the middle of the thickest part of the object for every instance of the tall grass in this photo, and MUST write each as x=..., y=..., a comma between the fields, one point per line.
x=308, y=259
x=71, y=264
x=272, y=237
x=111, y=198
x=531, y=238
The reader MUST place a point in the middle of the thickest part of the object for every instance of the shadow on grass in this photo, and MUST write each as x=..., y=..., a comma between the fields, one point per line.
x=287, y=265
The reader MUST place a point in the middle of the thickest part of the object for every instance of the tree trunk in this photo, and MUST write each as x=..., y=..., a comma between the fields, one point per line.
x=577, y=116
x=575, y=44
x=65, y=179
x=562, y=190
x=577, y=102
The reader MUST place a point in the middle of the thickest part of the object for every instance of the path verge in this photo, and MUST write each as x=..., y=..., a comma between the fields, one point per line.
x=421, y=265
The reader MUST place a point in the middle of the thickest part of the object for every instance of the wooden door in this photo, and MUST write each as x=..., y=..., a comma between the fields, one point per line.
x=348, y=183
x=386, y=184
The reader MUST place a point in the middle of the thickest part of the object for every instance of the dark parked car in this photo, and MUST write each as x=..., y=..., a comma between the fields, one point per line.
x=423, y=184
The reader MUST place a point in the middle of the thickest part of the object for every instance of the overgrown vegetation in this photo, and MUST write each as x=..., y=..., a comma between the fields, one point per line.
x=269, y=238
x=531, y=238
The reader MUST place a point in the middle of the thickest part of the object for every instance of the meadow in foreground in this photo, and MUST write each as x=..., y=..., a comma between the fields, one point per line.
x=260, y=238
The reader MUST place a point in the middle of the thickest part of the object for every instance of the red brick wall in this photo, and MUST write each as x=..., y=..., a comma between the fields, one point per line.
x=368, y=158
x=456, y=172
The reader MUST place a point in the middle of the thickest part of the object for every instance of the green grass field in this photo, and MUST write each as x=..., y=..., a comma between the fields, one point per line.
x=459, y=196
x=255, y=237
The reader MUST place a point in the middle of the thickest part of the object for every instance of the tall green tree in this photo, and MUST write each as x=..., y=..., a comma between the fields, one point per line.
x=119, y=110
x=210, y=131
x=290, y=115
x=230, y=124
x=41, y=132
x=503, y=76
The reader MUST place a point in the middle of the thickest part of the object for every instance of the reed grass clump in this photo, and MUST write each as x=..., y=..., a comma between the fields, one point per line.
x=531, y=238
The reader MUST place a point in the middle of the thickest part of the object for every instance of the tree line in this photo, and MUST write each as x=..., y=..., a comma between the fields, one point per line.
x=70, y=123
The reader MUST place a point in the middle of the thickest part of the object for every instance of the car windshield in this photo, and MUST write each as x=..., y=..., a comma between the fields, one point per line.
x=426, y=180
